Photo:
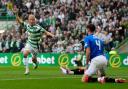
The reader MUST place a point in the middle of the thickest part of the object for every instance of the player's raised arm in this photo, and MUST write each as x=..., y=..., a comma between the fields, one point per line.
x=50, y=34
x=19, y=19
x=46, y=32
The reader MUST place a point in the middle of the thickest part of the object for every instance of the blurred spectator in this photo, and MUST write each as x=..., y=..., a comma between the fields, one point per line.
x=67, y=19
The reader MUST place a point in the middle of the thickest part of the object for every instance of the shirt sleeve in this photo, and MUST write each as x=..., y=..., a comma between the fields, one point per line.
x=86, y=43
x=42, y=30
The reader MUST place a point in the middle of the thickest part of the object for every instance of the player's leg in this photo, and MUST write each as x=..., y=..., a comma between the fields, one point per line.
x=26, y=52
x=111, y=80
x=103, y=79
x=66, y=70
x=96, y=63
x=101, y=68
x=34, y=58
x=76, y=71
x=87, y=77
x=101, y=73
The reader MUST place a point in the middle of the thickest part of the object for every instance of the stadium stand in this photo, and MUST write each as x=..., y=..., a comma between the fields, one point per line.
x=67, y=19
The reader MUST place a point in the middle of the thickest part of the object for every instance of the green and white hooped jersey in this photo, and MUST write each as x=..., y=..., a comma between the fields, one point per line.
x=34, y=34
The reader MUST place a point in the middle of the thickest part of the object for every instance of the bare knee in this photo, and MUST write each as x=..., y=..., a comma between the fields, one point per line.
x=34, y=59
x=26, y=53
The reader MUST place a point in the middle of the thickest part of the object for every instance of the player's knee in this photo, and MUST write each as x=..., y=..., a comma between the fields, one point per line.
x=25, y=54
x=34, y=59
x=86, y=78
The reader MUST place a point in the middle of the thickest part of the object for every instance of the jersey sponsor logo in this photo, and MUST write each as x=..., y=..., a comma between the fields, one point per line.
x=16, y=59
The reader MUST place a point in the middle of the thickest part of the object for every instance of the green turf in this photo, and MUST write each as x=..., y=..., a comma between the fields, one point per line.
x=52, y=78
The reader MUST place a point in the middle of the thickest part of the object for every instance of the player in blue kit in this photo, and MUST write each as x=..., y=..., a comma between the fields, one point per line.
x=96, y=61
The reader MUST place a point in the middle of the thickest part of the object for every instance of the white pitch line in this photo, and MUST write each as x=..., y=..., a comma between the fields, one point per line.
x=75, y=77
x=40, y=78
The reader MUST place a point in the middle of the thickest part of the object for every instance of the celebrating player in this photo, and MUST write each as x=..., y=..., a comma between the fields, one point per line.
x=34, y=32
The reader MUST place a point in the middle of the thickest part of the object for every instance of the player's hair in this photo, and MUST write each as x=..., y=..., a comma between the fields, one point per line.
x=31, y=15
x=91, y=27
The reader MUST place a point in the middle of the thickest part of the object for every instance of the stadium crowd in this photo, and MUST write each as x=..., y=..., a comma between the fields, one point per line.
x=67, y=19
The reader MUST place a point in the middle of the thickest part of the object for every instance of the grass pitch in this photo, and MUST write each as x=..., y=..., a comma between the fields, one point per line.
x=52, y=78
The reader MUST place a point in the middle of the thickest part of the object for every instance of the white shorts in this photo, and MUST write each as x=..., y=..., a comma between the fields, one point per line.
x=33, y=51
x=98, y=64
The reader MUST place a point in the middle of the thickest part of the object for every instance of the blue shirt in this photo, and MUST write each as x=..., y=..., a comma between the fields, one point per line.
x=95, y=44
